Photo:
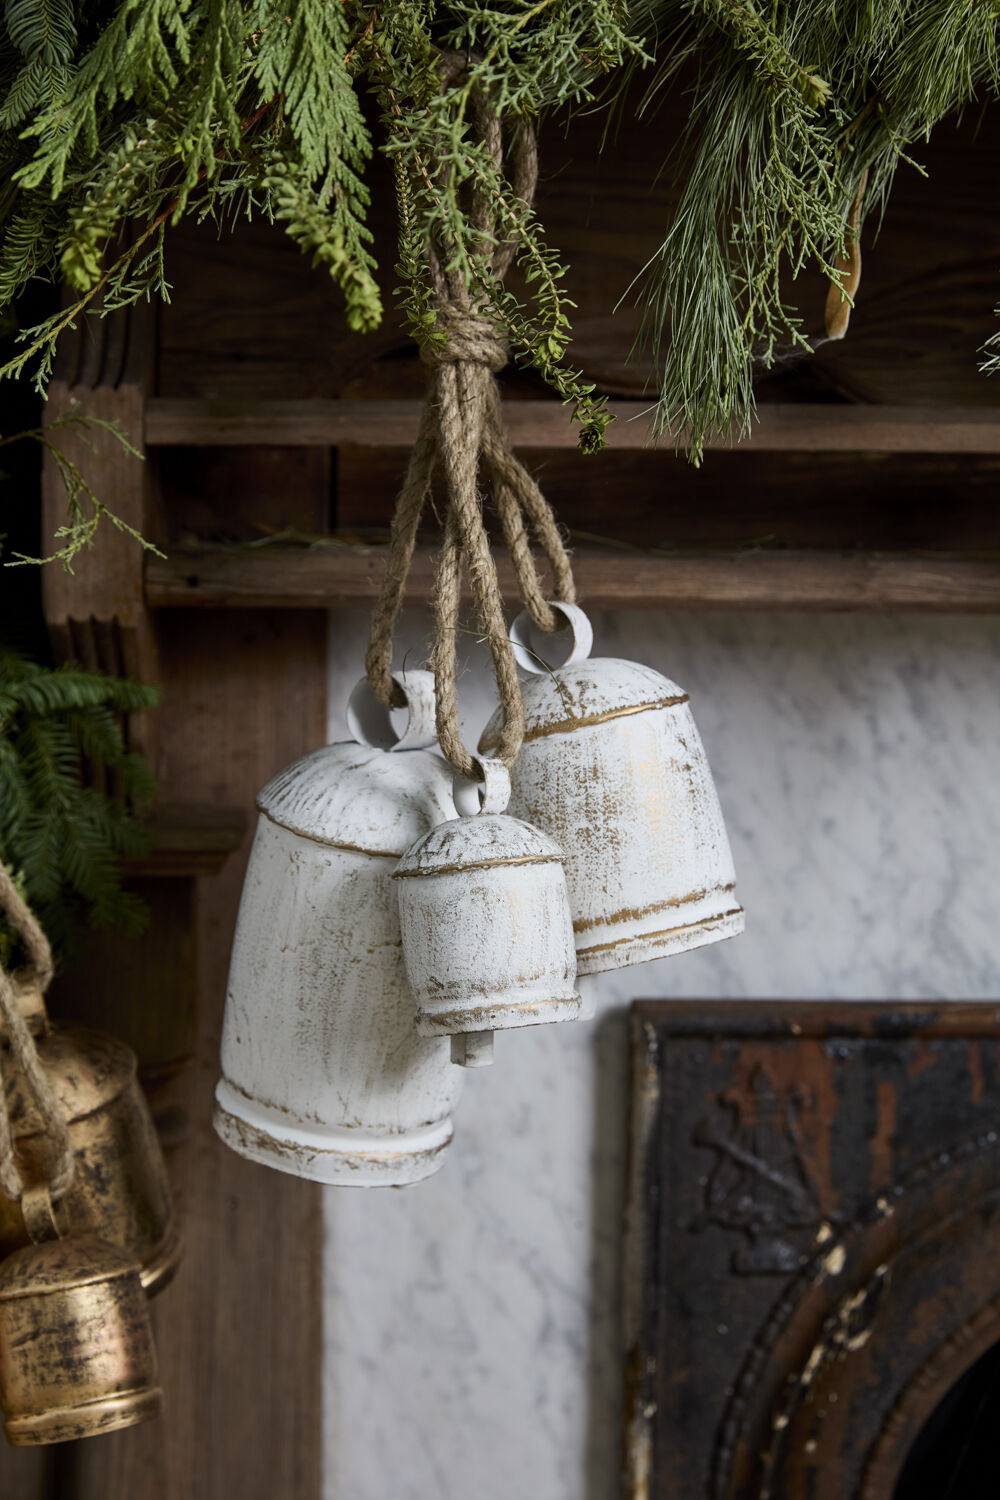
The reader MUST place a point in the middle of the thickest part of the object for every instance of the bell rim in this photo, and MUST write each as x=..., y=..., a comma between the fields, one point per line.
x=279, y=800
x=314, y=838
x=125, y=1409
x=158, y=1270
x=433, y=853
x=591, y=721
x=332, y=1157
x=119, y=1265
x=459, y=866
x=622, y=953
x=503, y=1015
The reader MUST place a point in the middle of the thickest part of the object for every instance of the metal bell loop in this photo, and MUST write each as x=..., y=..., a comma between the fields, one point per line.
x=490, y=794
x=523, y=631
x=40, y=1217
x=370, y=722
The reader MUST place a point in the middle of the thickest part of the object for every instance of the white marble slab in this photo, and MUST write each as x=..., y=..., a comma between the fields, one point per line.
x=472, y=1321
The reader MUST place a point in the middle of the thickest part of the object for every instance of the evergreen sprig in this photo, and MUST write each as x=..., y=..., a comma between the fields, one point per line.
x=62, y=837
x=795, y=109
x=173, y=107
x=85, y=510
x=118, y=117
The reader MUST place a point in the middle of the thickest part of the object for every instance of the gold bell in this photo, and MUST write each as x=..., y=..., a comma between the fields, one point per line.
x=76, y=1346
x=119, y=1188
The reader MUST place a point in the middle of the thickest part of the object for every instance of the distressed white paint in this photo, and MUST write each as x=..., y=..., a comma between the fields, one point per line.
x=324, y=1074
x=487, y=934
x=471, y=1326
x=614, y=769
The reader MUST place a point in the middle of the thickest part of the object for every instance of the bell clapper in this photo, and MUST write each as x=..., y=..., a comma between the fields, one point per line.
x=472, y=1049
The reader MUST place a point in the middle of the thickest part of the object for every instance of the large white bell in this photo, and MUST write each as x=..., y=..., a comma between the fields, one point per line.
x=324, y=1074
x=613, y=769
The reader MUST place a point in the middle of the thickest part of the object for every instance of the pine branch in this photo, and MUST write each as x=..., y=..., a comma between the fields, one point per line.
x=63, y=838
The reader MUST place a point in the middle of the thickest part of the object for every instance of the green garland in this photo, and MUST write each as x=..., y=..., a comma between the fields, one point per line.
x=797, y=108
x=61, y=838
x=145, y=110
x=126, y=113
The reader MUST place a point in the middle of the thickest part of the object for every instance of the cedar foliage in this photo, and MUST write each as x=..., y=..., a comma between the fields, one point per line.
x=126, y=113
x=61, y=837
x=141, y=111
x=795, y=107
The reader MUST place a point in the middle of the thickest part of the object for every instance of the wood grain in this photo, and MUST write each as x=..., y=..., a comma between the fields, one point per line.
x=238, y=1333
x=238, y=578
x=814, y=427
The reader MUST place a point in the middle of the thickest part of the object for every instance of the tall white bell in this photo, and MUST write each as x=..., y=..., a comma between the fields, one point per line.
x=613, y=769
x=324, y=1074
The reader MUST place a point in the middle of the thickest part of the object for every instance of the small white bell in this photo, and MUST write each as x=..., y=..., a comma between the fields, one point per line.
x=324, y=1075
x=484, y=913
x=613, y=768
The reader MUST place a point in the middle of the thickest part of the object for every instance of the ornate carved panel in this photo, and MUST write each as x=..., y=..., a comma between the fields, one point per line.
x=814, y=1226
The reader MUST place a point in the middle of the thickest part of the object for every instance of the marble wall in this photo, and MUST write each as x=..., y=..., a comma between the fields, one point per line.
x=472, y=1321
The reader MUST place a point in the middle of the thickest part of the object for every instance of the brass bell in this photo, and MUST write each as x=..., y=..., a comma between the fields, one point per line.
x=76, y=1346
x=119, y=1187
x=612, y=768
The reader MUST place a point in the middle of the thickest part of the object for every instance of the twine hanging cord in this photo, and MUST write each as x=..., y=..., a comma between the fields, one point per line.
x=25, y=1054
x=462, y=433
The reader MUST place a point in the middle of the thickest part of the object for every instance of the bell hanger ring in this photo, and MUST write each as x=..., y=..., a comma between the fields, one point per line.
x=45, y=1218
x=490, y=793
x=369, y=721
x=526, y=639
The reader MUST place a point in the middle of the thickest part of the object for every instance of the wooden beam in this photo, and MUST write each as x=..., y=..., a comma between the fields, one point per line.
x=803, y=428
x=186, y=842
x=237, y=578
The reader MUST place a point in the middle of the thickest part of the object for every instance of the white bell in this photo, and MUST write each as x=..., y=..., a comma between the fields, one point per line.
x=324, y=1074
x=484, y=913
x=612, y=767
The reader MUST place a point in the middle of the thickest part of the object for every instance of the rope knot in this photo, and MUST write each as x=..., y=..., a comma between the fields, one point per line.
x=469, y=338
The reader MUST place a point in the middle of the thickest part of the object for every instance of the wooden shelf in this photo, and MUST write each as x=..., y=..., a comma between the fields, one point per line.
x=805, y=428
x=246, y=578
x=188, y=841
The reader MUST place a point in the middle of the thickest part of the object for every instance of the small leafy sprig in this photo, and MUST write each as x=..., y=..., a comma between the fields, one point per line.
x=85, y=510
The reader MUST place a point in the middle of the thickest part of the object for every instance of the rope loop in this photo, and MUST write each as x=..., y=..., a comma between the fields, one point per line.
x=462, y=434
x=25, y=1054
x=469, y=339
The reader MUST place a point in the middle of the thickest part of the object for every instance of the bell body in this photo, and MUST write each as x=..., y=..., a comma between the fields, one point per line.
x=76, y=1348
x=119, y=1187
x=487, y=934
x=613, y=768
x=324, y=1075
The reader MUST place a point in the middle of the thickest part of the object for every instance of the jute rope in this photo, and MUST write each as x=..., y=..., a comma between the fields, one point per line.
x=461, y=433
x=25, y=1054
